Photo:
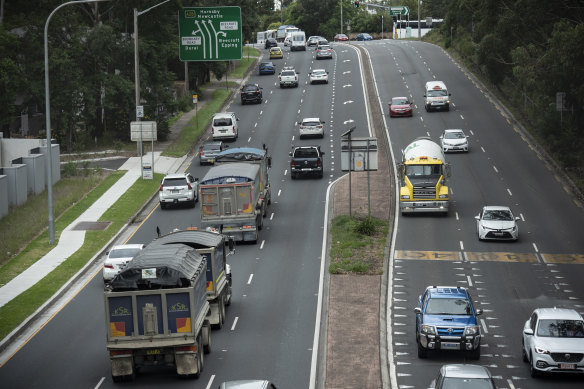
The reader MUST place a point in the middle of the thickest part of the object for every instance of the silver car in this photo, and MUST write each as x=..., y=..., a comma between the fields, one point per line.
x=454, y=140
x=457, y=376
x=209, y=151
x=324, y=51
x=311, y=127
x=553, y=341
x=497, y=222
x=247, y=384
x=177, y=189
x=318, y=76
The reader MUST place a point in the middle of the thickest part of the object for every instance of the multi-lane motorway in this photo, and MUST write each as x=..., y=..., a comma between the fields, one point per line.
x=270, y=324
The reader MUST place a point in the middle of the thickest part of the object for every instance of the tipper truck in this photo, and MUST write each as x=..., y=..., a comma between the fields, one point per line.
x=423, y=172
x=214, y=248
x=232, y=201
x=156, y=311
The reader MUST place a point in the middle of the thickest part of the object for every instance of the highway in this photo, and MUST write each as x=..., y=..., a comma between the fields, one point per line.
x=270, y=323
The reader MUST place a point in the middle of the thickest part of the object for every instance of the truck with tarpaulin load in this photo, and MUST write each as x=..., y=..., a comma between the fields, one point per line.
x=215, y=248
x=156, y=312
x=423, y=172
x=231, y=200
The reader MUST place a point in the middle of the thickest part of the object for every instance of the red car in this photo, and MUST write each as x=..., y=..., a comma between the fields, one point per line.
x=400, y=106
x=341, y=38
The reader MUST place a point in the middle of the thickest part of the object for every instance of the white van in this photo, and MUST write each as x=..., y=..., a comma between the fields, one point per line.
x=224, y=126
x=436, y=96
x=297, y=41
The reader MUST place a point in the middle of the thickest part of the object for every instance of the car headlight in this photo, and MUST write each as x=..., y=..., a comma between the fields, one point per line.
x=540, y=350
x=472, y=330
x=428, y=329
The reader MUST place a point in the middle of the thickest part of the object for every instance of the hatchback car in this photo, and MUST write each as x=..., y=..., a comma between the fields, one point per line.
x=177, y=189
x=117, y=259
x=247, y=384
x=553, y=341
x=318, y=76
x=364, y=37
x=341, y=38
x=251, y=93
x=322, y=42
x=400, y=106
x=324, y=51
x=311, y=127
x=460, y=376
x=209, y=151
x=454, y=140
x=267, y=68
x=312, y=40
x=276, y=52
x=497, y=222
x=270, y=42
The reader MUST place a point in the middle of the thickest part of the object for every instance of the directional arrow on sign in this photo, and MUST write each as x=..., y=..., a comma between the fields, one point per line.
x=399, y=11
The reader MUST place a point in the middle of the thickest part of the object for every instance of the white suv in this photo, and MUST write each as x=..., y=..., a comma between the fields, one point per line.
x=311, y=127
x=288, y=77
x=117, y=259
x=178, y=188
x=224, y=126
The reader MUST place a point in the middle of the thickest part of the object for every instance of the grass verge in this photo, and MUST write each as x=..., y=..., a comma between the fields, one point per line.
x=357, y=245
x=17, y=310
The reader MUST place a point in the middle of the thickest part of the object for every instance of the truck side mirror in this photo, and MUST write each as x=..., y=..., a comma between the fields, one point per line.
x=269, y=162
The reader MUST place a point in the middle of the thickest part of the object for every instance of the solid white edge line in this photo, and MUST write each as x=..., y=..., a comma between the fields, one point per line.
x=234, y=323
x=210, y=382
x=100, y=382
x=312, y=382
x=250, y=278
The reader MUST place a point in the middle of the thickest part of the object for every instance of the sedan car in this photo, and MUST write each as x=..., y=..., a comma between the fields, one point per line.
x=400, y=106
x=364, y=37
x=177, y=189
x=267, y=68
x=117, y=259
x=497, y=222
x=270, y=42
x=318, y=76
x=247, y=384
x=553, y=341
x=454, y=140
x=457, y=376
x=276, y=52
x=251, y=93
x=209, y=151
x=311, y=127
x=312, y=40
x=324, y=51
x=341, y=38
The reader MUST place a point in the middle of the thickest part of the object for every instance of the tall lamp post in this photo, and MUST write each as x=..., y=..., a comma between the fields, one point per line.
x=48, y=120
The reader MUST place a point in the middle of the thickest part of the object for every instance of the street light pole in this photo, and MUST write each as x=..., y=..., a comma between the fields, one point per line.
x=48, y=120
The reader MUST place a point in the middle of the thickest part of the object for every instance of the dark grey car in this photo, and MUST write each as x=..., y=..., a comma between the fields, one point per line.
x=209, y=151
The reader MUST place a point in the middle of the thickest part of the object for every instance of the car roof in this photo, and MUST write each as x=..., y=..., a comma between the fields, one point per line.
x=318, y=70
x=311, y=120
x=176, y=175
x=128, y=246
x=400, y=97
x=459, y=370
x=558, y=313
x=453, y=130
x=245, y=384
x=275, y=48
x=496, y=208
x=212, y=143
x=447, y=291
x=223, y=114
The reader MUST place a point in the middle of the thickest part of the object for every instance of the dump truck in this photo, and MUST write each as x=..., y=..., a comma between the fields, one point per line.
x=423, y=172
x=156, y=312
x=232, y=202
x=214, y=248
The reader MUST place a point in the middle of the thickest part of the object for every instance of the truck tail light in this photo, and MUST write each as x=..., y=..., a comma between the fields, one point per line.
x=114, y=353
x=191, y=349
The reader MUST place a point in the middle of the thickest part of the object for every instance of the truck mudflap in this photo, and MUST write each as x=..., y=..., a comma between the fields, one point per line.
x=122, y=366
x=423, y=206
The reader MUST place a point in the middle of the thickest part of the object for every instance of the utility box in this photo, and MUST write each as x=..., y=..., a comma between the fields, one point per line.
x=359, y=154
x=17, y=184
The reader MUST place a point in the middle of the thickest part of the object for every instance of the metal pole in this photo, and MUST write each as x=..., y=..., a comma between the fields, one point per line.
x=381, y=26
x=137, y=86
x=419, y=28
x=350, y=168
x=341, y=1
x=368, y=185
x=48, y=120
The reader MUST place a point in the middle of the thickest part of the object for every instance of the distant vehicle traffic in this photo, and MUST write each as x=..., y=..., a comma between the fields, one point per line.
x=318, y=76
x=117, y=259
x=267, y=68
x=179, y=188
x=454, y=140
x=553, y=341
x=400, y=106
x=313, y=40
x=446, y=319
x=364, y=37
x=311, y=127
x=209, y=151
x=251, y=93
x=463, y=376
x=341, y=38
x=497, y=222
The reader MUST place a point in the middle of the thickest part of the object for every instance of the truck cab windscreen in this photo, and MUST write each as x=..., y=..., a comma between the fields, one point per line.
x=423, y=171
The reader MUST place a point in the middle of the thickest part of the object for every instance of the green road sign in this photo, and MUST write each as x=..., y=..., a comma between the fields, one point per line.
x=399, y=11
x=210, y=33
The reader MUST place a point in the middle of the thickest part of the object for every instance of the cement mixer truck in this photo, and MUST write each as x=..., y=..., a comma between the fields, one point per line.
x=423, y=172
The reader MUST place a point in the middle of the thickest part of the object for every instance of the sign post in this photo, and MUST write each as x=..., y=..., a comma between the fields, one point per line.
x=210, y=33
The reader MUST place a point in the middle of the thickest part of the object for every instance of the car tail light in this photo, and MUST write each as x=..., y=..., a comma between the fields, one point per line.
x=189, y=186
x=318, y=162
x=160, y=189
x=318, y=126
x=292, y=163
x=108, y=265
x=202, y=152
x=233, y=128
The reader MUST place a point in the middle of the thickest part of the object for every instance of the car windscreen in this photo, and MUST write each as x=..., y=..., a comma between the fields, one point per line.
x=499, y=214
x=448, y=306
x=324, y=47
x=212, y=147
x=249, y=88
x=467, y=383
x=124, y=253
x=453, y=135
x=174, y=182
x=310, y=123
x=558, y=328
x=222, y=122
x=319, y=73
x=437, y=93
x=398, y=101
x=306, y=153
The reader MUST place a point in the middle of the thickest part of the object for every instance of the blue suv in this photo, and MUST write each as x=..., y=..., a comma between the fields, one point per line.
x=447, y=320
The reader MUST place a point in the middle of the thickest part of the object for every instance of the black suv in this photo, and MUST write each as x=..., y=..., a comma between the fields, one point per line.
x=251, y=93
x=270, y=42
x=306, y=160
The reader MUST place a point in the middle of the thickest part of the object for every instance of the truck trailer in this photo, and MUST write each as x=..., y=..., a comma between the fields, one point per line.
x=215, y=248
x=156, y=312
x=423, y=172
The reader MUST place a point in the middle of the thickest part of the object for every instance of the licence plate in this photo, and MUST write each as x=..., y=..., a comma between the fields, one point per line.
x=450, y=346
x=211, y=160
x=498, y=233
x=567, y=366
x=153, y=351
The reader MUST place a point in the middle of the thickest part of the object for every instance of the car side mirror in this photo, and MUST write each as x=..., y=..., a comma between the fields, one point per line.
x=290, y=153
x=424, y=95
x=478, y=217
x=479, y=311
x=528, y=331
x=237, y=119
x=450, y=94
x=322, y=153
x=517, y=218
x=269, y=162
x=441, y=136
x=418, y=310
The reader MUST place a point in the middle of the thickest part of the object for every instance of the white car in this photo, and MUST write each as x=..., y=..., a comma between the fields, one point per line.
x=118, y=258
x=497, y=222
x=224, y=126
x=318, y=76
x=454, y=140
x=311, y=127
x=553, y=341
x=178, y=188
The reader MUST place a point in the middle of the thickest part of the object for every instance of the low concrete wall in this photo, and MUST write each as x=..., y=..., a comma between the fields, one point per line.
x=3, y=196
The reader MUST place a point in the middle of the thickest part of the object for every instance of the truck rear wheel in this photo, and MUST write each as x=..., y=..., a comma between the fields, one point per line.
x=206, y=337
x=221, y=313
